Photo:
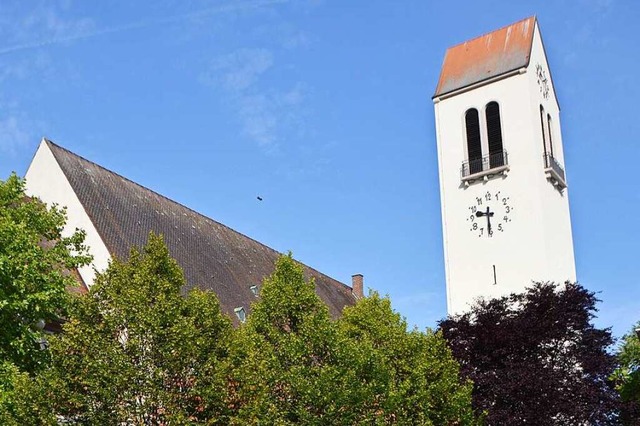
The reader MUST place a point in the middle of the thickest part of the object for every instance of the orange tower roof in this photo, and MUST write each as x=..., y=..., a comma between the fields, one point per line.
x=487, y=56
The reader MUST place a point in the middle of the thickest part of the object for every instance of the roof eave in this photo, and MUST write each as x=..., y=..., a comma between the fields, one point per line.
x=516, y=71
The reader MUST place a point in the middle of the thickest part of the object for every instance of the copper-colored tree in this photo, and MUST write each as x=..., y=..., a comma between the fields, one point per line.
x=536, y=358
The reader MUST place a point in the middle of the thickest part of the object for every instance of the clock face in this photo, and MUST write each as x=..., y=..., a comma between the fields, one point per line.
x=543, y=81
x=489, y=214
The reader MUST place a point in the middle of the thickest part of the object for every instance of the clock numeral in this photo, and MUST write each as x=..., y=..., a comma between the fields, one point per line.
x=487, y=196
x=506, y=219
x=500, y=227
x=507, y=209
x=472, y=218
x=481, y=232
x=504, y=201
x=490, y=233
x=498, y=195
x=473, y=209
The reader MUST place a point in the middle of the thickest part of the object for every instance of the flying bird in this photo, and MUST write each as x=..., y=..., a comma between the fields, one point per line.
x=259, y=198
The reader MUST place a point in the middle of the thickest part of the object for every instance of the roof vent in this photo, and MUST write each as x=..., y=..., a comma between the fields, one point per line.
x=241, y=314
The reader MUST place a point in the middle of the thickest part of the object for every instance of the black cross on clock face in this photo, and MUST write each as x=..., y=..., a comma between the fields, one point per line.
x=489, y=214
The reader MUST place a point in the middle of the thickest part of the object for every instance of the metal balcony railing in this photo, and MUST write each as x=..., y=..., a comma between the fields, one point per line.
x=485, y=165
x=551, y=162
x=554, y=170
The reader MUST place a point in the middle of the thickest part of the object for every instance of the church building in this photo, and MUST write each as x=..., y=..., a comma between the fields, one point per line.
x=503, y=187
x=118, y=214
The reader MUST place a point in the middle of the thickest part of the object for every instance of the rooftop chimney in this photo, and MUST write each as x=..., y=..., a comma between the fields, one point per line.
x=357, y=285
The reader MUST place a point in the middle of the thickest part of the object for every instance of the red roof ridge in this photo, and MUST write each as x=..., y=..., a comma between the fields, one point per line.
x=534, y=17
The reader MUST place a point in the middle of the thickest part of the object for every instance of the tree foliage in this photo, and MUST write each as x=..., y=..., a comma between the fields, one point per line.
x=535, y=357
x=23, y=399
x=366, y=368
x=627, y=376
x=135, y=351
x=410, y=376
x=287, y=364
x=35, y=258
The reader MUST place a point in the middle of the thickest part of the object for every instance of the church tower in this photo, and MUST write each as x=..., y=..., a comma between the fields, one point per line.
x=503, y=188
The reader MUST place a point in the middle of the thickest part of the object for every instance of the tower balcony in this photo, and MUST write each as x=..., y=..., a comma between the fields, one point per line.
x=554, y=171
x=484, y=167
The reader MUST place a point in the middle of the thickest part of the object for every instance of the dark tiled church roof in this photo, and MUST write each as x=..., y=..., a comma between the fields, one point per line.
x=213, y=256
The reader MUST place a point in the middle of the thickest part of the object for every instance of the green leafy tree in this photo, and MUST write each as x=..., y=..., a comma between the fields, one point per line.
x=627, y=376
x=292, y=365
x=23, y=399
x=286, y=365
x=35, y=260
x=135, y=351
x=411, y=375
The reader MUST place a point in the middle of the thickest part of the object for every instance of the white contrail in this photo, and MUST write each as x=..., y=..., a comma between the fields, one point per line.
x=237, y=5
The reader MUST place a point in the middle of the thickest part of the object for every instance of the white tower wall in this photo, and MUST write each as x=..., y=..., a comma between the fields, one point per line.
x=536, y=242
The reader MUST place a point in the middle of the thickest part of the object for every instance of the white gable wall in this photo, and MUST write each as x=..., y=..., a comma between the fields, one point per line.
x=46, y=180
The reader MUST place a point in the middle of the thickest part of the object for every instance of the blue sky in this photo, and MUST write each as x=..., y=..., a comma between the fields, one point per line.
x=322, y=108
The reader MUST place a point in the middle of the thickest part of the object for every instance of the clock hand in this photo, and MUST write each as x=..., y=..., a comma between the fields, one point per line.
x=488, y=214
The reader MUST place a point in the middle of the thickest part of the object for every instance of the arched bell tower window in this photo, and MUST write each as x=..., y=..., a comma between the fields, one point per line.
x=486, y=156
x=550, y=134
x=553, y=169
x=544, y=136
x=494, y=135
x=474, y=144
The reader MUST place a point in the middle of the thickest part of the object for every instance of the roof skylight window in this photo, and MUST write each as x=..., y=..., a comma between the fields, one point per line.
x=241, y=314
